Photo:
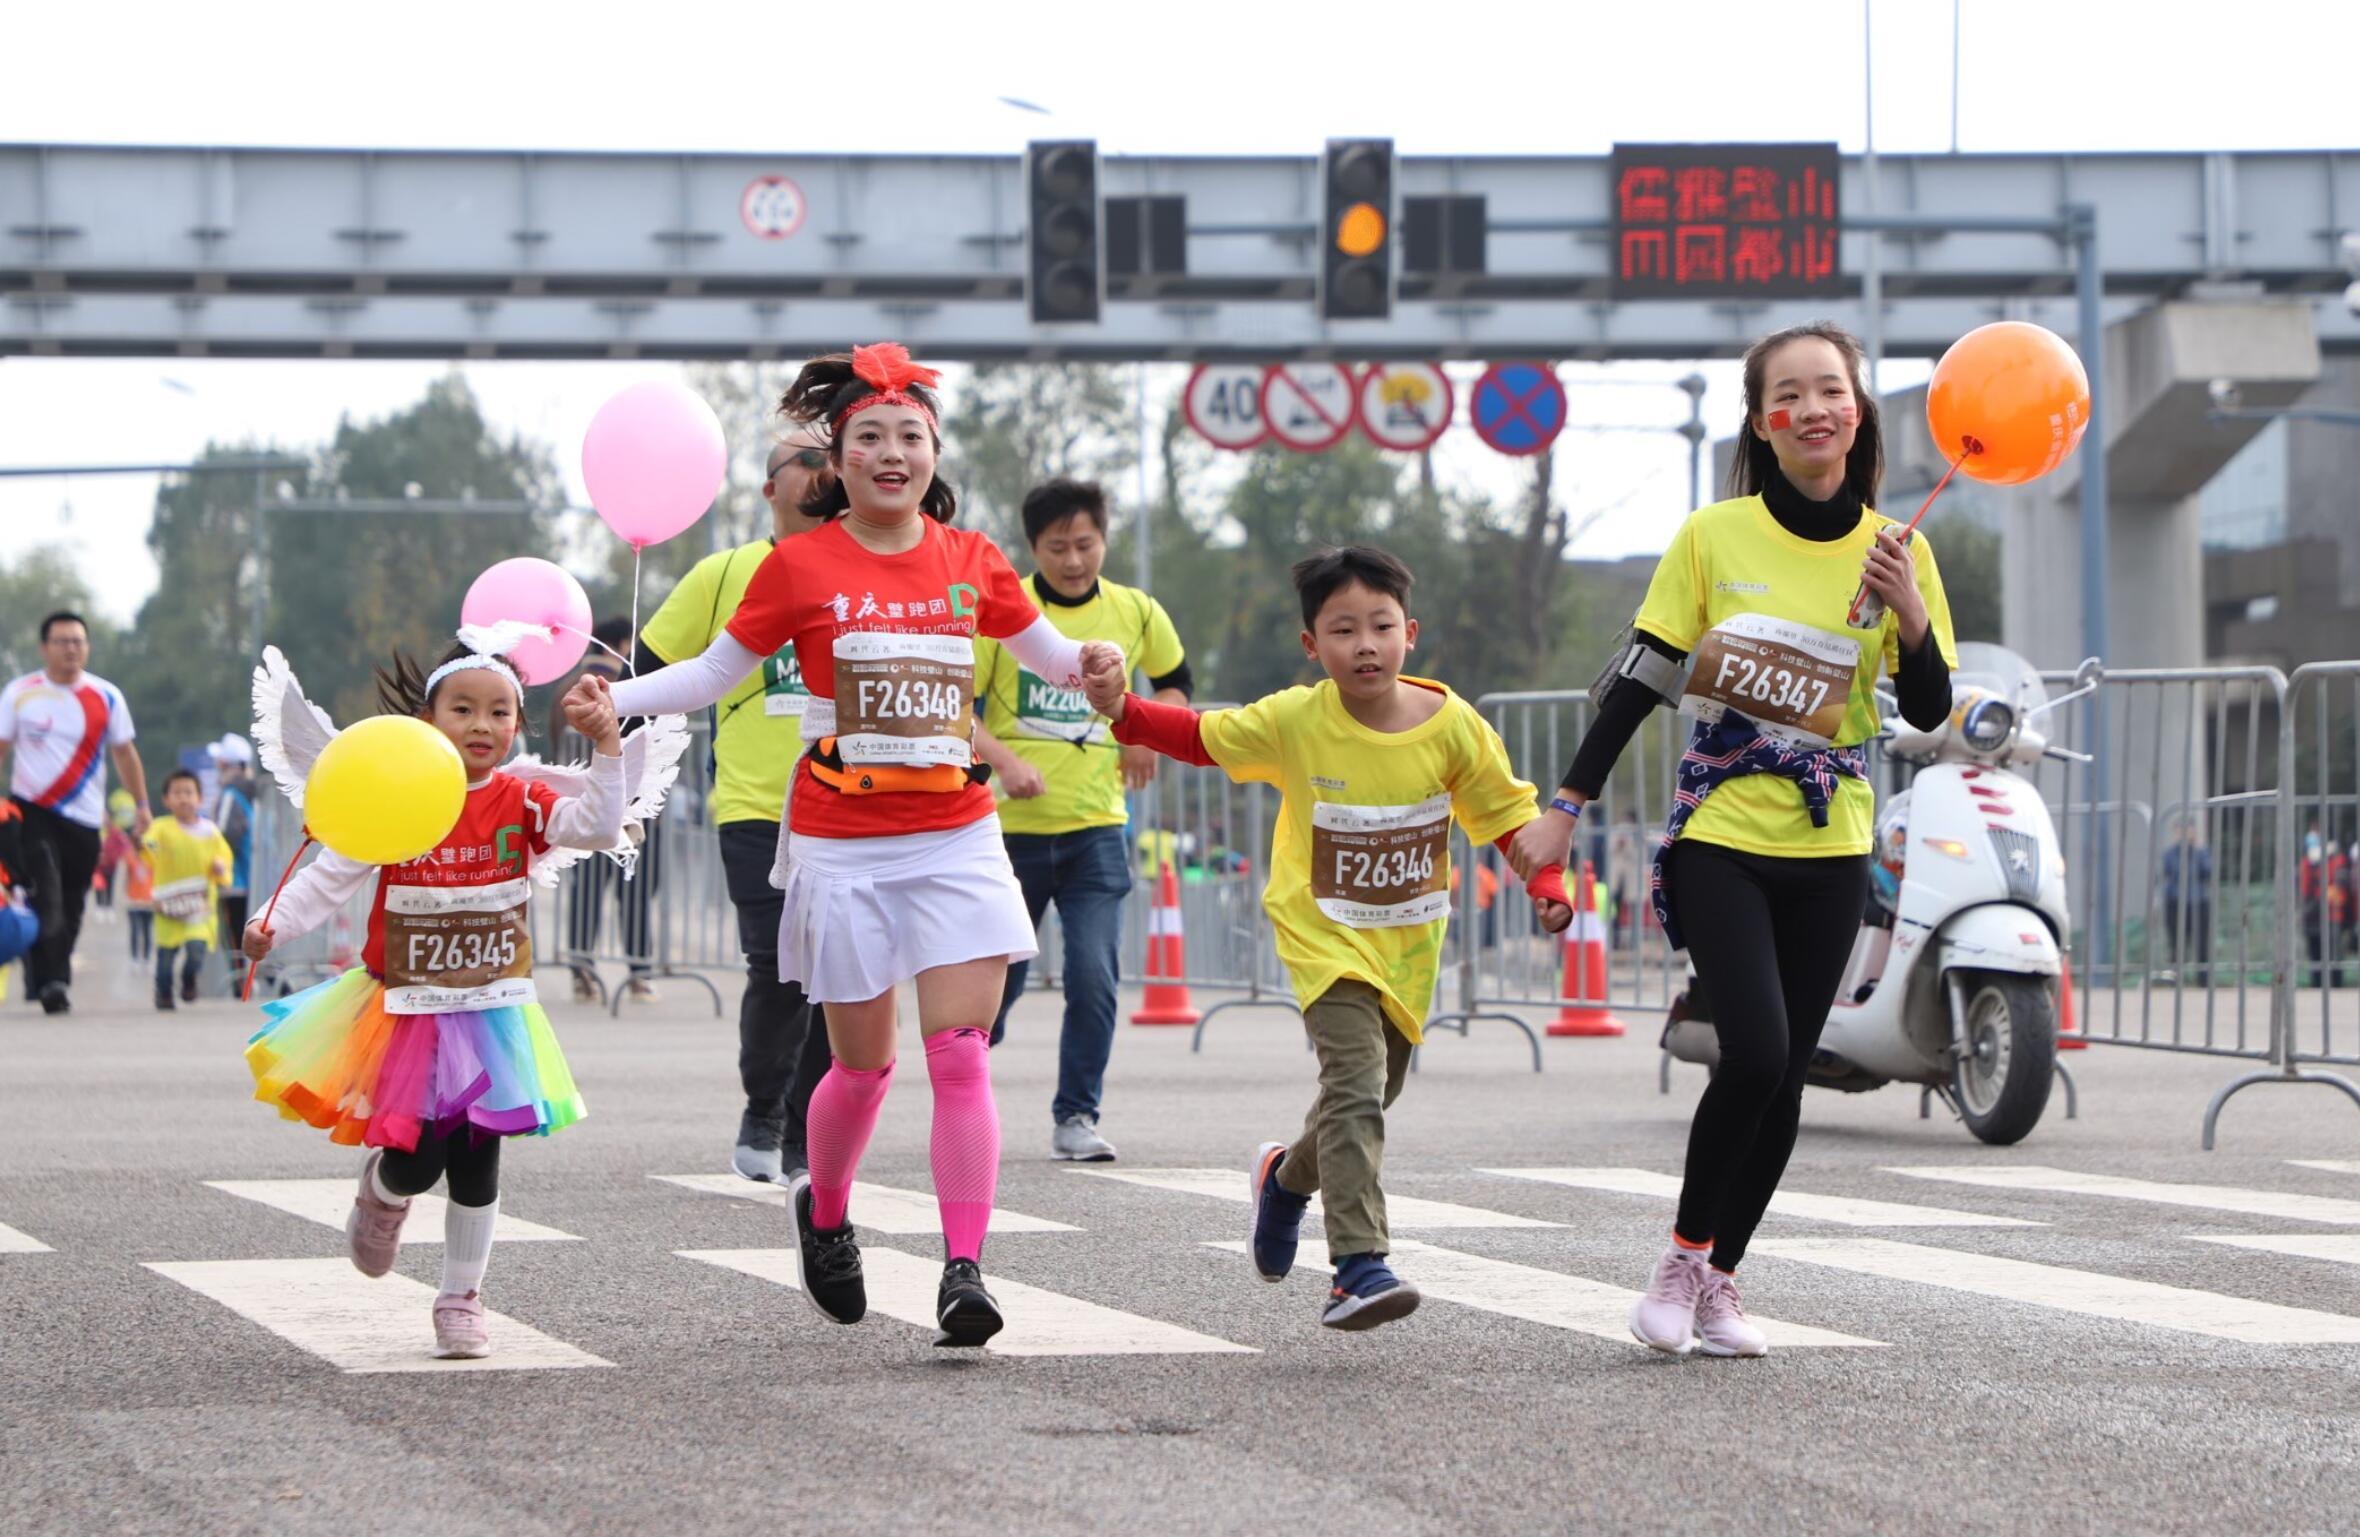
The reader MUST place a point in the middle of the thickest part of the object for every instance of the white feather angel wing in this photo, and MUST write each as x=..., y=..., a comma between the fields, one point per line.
x=651, y=762
x=289, y=730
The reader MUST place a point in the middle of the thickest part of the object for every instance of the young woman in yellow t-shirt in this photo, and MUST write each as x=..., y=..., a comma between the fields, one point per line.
x=1750, y=623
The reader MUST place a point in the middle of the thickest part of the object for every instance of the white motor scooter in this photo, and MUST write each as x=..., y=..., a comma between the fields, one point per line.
x=1953, y=979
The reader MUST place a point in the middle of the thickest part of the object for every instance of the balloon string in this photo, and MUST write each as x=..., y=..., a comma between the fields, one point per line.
x=269, y=908
x=595, y=641
x=1861, y=596
x=636, y=551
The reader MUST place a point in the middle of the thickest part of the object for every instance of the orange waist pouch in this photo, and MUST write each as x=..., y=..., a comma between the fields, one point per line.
x=828, y=767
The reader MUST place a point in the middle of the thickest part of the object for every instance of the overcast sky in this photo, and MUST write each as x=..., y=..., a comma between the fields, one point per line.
x=1208, y=78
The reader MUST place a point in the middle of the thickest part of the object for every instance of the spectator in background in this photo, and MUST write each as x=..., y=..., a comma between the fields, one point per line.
x=757, y=741
x=2187, y=896
x=589, y=882
x=233, y=813
x=59, y=728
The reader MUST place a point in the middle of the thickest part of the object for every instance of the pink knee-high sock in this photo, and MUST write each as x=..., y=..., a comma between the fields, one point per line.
x=966, y=1145
x=843, y=1113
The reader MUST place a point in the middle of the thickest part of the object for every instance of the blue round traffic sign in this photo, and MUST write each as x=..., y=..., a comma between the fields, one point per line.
x=1519, y=408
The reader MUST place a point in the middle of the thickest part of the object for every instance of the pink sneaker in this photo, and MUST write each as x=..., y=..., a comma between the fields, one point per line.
x=1665, y=1317
x=374, y=1228
x=459, y=1333
x=1721, y=1325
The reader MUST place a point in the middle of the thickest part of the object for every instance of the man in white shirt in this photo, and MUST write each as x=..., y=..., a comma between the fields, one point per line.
x=58, y=727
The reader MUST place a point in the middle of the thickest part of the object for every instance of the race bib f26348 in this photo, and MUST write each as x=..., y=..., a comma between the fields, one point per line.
x=904, y=698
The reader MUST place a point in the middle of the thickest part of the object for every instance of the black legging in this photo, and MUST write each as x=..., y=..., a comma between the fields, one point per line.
x=470, y=1160
x=1770, y=938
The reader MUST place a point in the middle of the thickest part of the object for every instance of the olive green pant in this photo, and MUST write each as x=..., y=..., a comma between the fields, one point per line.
x=1363, y=1060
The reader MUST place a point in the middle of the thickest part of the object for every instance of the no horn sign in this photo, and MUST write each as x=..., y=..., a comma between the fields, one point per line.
x=1518, y=408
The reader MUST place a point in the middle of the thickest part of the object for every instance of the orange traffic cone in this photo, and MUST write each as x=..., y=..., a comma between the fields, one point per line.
x=2069, y=1036
x=1166, y=1002
x=1584, y=1011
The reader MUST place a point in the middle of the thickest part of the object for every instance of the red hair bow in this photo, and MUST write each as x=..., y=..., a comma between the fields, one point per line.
x=887, y=368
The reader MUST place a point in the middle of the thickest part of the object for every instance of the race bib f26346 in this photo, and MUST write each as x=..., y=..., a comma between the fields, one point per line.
x=1381, y=867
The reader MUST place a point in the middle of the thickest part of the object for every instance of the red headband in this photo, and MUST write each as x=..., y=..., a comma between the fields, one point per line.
x=887, y=369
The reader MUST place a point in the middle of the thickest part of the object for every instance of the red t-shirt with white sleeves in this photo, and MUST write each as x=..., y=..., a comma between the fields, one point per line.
x=820, y=586
x=503, y=828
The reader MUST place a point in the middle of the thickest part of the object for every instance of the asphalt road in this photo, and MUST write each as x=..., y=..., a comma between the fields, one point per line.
x=1997, y=1378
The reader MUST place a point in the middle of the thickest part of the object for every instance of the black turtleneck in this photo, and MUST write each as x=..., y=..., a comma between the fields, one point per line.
x=1921, y=684
x=1051, y=596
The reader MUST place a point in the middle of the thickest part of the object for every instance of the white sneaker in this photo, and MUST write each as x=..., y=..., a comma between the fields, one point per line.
x=1076, y=1140
x=1721, y=1325
x=1664, y=1318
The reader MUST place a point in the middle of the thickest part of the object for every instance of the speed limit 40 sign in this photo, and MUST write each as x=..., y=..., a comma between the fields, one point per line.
x=1223, y=403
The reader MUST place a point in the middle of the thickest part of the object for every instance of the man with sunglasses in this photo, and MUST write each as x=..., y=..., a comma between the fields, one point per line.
x=757, y=736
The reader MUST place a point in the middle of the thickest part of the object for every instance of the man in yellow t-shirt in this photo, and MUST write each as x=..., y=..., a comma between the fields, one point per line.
x=1061, y=778
x=192, y=863
x=1372, y=767
x=757, y=736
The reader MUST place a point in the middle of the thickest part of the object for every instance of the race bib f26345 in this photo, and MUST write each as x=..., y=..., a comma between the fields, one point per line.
x=457, y=948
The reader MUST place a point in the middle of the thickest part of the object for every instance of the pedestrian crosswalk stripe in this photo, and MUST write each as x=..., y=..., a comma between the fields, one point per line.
x=328, y=1201
x=1039, y=1323
x=1549, y=1297
x=14, y=1242
x=2331, y=1165
x=879, y=1208
x=2252, y=1203
x=2072, y=1291
x=357, y=1324
x=2343, y=1248
x=1230, y=1185
x=1847, y=1210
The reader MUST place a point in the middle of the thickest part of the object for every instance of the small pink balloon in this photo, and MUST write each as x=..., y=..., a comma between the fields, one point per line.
x=654, y=460
x=530, y=591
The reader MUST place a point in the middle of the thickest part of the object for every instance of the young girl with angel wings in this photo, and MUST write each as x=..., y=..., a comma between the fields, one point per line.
x=435, y=1049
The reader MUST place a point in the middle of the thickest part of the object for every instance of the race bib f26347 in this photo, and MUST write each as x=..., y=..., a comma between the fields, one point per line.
x=1793, y=681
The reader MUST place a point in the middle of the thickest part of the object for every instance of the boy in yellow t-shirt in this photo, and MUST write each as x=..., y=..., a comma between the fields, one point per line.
x=192, y=862
x=1372, y=768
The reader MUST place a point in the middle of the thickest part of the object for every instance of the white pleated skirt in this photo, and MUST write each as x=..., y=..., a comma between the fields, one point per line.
x=864, y=915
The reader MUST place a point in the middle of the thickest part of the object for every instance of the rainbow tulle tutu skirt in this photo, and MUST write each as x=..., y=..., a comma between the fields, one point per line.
x=332, y=1057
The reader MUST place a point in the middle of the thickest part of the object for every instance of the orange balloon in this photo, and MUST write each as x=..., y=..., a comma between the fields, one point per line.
x=2012, y=398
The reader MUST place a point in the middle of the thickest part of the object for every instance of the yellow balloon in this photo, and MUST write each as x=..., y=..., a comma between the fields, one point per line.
x=385, y=790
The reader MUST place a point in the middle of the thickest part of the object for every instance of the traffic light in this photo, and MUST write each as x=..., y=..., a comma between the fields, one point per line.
x=1064, y=255
x=1356, y=231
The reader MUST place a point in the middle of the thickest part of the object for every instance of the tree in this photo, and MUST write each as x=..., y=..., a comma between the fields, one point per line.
x=1969, y=556
x=1016, y=425
x=37, y=583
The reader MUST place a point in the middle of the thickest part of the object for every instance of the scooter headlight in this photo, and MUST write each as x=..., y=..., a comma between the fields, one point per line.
x=1988, y=724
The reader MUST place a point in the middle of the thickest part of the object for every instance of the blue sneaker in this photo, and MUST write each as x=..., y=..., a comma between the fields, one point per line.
x=1367, y=1293
x=1278, y=1215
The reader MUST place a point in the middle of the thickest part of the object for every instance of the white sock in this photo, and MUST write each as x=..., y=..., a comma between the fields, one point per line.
x=467, y=1245
x=384, y=1192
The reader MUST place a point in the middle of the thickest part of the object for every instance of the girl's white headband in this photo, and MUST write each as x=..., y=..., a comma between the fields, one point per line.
x=485, y=644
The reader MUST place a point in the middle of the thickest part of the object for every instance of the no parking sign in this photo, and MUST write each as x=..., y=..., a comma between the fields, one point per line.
x=1519, y=408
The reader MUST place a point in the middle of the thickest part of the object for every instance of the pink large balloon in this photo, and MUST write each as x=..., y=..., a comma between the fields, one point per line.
x=531, y=591
x=653, y=460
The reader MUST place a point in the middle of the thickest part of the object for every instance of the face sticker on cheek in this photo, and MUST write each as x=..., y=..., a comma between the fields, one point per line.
x=856, y=456
x=1781, y=419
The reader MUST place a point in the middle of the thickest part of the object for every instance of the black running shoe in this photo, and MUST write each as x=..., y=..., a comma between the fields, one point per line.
x=830, y=1261
x=964, y=1310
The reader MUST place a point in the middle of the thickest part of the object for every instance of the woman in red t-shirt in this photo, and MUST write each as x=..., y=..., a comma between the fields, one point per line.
x=890, y=851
